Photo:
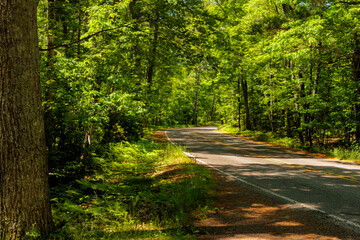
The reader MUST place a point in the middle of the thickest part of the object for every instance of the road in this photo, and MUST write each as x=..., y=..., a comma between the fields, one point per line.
x=325, y=185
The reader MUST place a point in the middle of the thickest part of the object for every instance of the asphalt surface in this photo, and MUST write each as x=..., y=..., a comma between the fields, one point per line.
x=329, y=186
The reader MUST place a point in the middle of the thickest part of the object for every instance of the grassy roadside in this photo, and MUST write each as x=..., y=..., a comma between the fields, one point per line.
x=351, y=153
x=140, y=190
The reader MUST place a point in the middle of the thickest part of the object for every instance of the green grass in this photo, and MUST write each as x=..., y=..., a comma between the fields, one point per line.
x=346, y=154
x=138, y=190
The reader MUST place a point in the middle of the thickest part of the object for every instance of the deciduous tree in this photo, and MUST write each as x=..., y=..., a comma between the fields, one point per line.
x=24, y=189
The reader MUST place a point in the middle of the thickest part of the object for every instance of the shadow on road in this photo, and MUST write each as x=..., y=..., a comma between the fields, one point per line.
x=244, y=214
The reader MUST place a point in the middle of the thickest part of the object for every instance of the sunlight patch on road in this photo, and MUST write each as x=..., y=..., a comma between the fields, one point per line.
x=340, y=176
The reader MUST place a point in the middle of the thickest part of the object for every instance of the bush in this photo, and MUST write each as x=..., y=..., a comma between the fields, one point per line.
x=136, y=190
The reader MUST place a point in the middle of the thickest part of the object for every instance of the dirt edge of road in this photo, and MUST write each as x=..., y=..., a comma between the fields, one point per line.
x=243, y=213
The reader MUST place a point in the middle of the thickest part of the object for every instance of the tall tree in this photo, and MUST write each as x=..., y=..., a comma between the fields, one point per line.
x=24, y=190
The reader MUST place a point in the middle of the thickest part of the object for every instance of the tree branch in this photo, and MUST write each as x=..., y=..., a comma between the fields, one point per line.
x=80, y=40
x=218, y=3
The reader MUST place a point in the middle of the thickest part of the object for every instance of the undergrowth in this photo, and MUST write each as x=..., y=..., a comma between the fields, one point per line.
x=351, y=153
x=137, y=190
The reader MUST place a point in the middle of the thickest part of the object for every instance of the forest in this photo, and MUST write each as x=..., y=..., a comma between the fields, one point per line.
x=114, y=71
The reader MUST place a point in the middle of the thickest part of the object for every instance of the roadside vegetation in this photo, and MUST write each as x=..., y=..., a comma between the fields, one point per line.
x=336, y=149
x=138, y=190
x=110, y=70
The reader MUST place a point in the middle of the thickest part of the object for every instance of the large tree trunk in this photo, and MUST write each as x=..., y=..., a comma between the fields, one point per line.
x=24, y=188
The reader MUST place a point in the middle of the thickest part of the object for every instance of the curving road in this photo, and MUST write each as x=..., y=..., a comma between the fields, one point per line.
x=328, y=186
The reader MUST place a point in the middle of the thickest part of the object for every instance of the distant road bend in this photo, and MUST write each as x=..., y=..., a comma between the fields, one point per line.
x=327, y=186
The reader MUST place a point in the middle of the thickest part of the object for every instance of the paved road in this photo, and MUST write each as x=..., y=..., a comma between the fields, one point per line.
x=328, y=185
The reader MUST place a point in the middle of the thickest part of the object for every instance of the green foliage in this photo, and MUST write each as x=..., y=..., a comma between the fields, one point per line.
x=351, y=153
x=282, y=70
x=138, y=190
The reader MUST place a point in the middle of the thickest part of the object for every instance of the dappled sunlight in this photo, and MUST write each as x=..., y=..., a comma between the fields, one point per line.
x=244, y=214
x=297, y=180
x=288, y=223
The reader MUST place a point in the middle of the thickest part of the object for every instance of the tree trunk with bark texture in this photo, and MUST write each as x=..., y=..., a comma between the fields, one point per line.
x=50, y=72
x=24, y=188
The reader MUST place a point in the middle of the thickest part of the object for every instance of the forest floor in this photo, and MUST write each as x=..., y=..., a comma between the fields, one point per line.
x=241, y=213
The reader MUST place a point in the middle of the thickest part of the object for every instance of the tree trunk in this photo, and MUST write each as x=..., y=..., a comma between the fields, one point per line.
x=356, y=73
x=287, y=110
x=271, y=103
x=132, y=16
x=298, y=95
x=196, y=99
x=152, y=55
x=246, y=104
x=288, y=123
x=239, y=104
x=297, y=106
x=212, y=108
x=50, y=72
x=271, y=115
x=24, y=189
x=79, y=31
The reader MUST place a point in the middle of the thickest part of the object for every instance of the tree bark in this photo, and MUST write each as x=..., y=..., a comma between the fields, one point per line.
x=24, y=188
x=50, y=71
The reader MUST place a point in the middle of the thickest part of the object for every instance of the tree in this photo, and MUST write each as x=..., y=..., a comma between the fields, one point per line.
x=24, y=190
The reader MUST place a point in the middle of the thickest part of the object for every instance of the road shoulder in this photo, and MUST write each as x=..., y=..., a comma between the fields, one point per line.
x=245, y=214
